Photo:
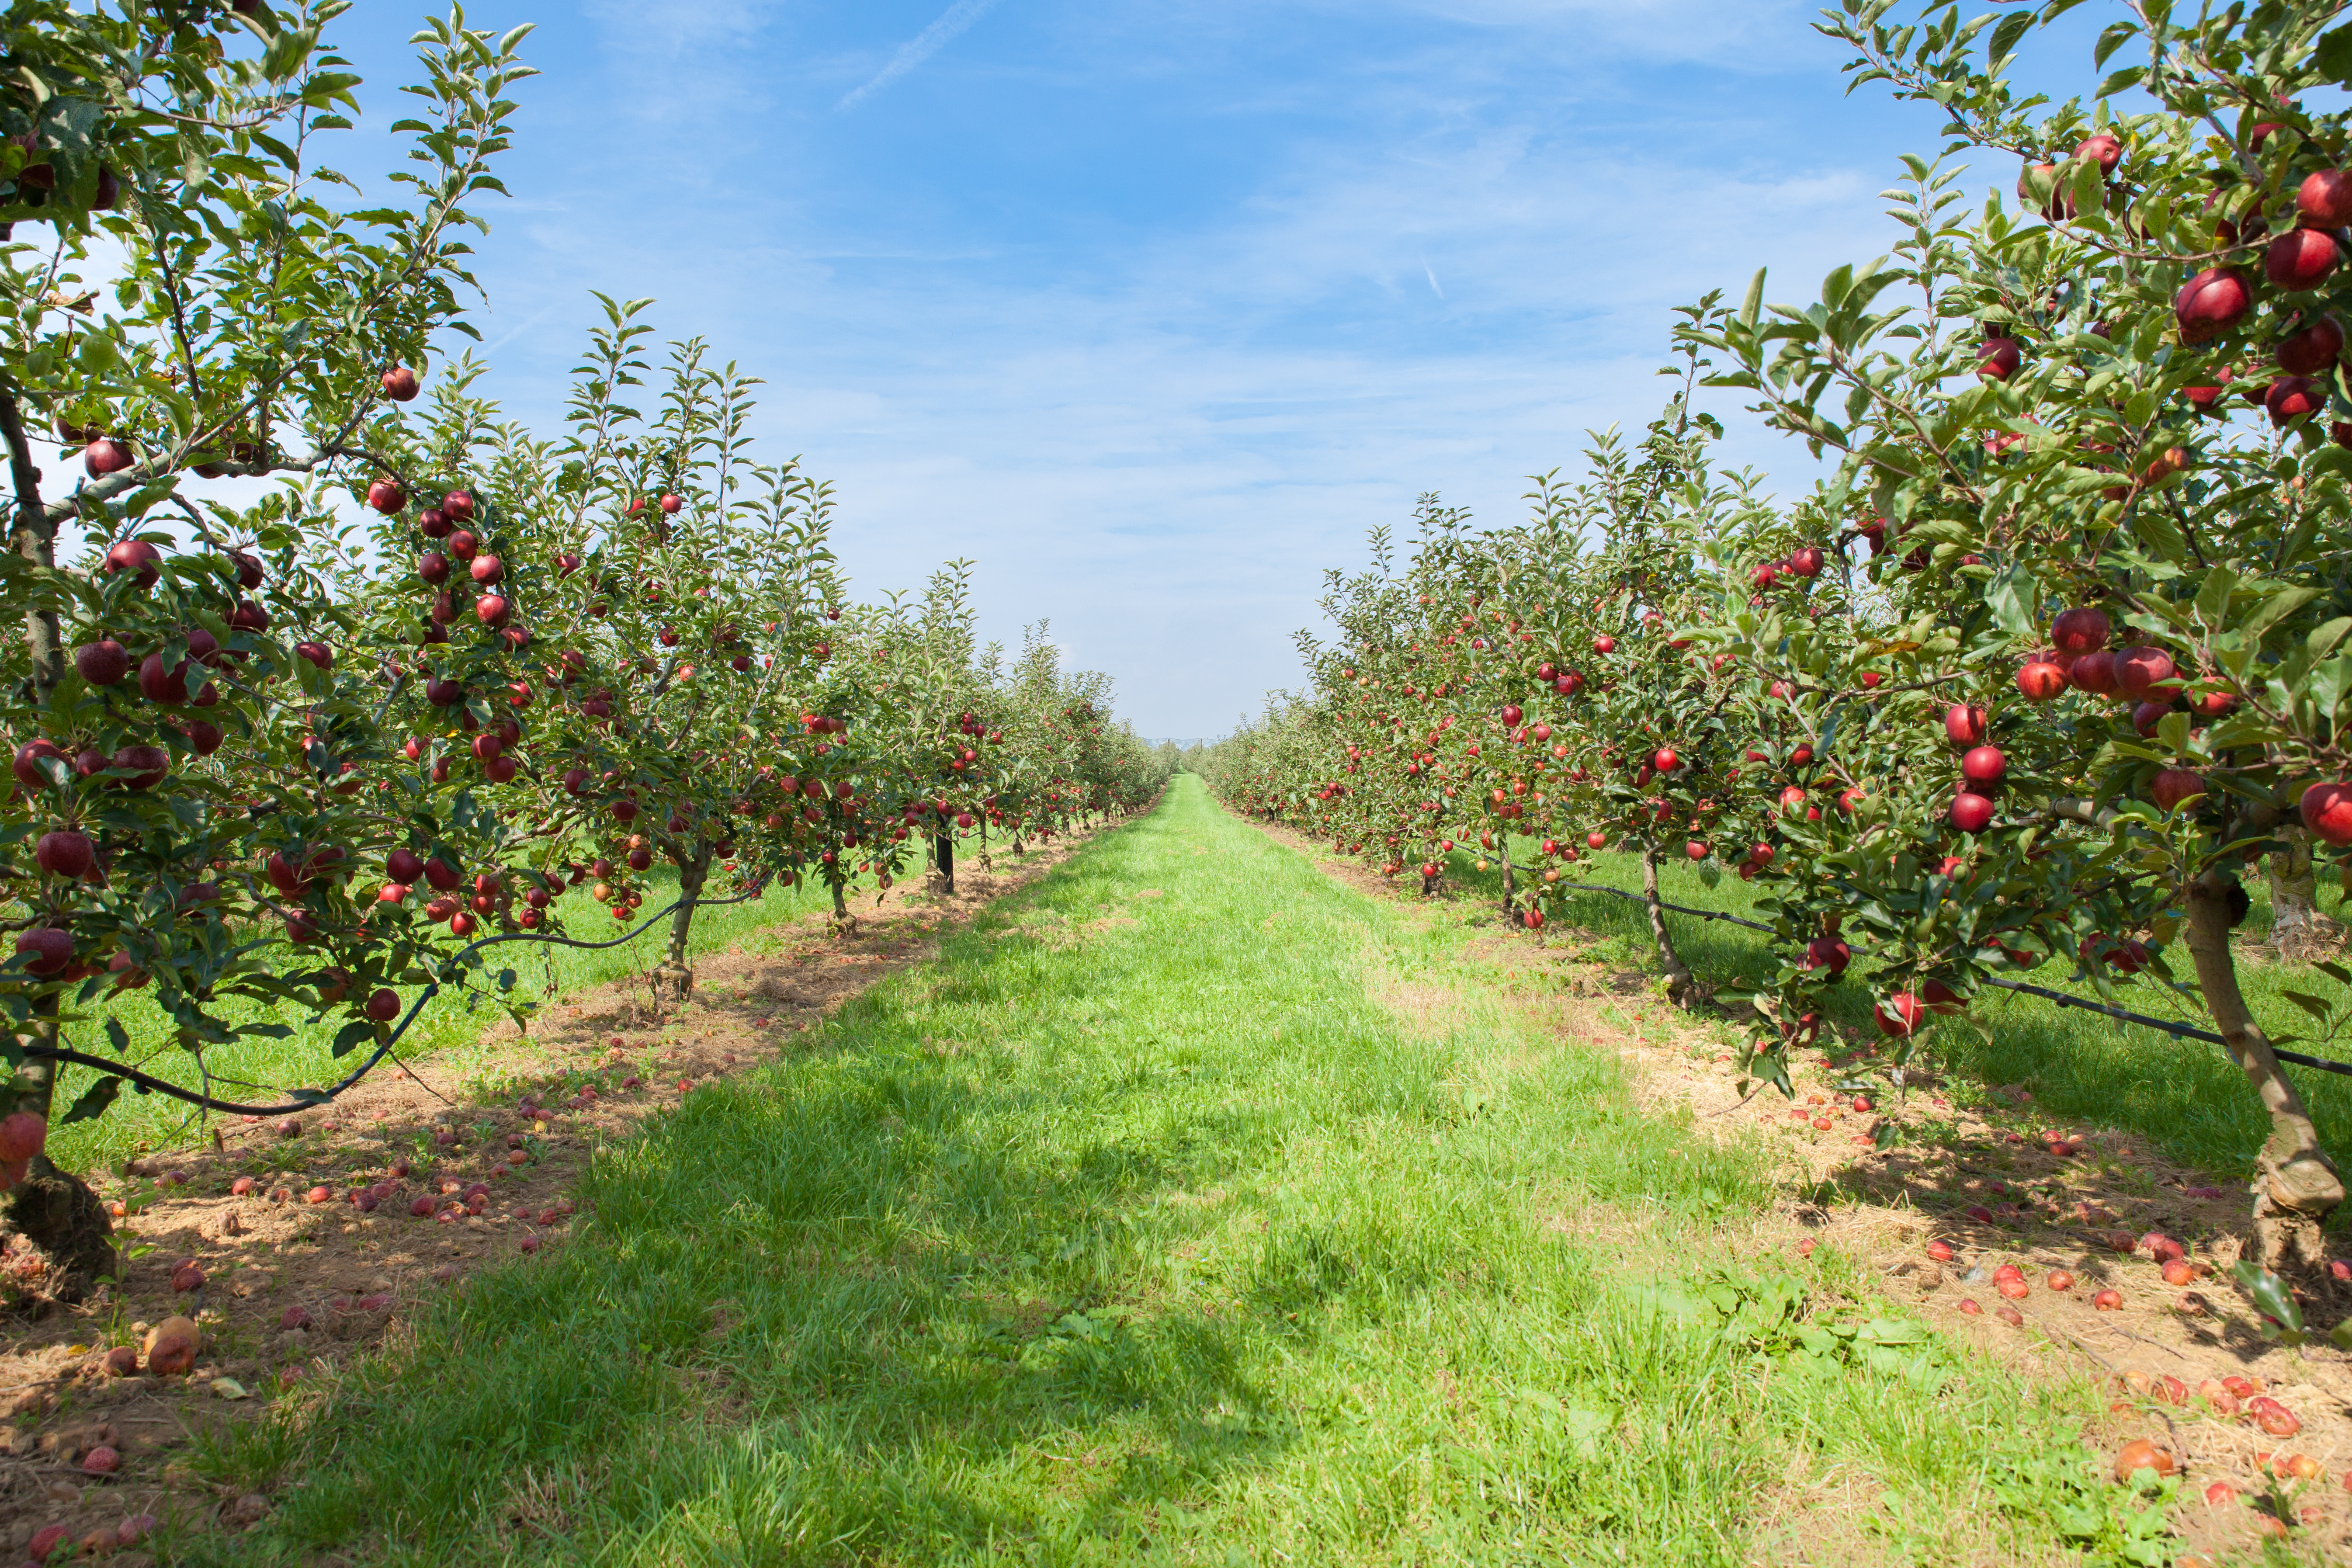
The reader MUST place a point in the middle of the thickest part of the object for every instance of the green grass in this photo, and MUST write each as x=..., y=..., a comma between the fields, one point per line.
x=254, y=1071
x=1189, y=1208
x=2182, y=1095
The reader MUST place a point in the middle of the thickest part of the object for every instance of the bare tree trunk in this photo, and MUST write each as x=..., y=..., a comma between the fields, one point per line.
x=943, y=851
x=53, y=1210
x=1510, y=912
x=672, y=981
x=2295, y=1185
x=2299, y=932
x=1679, y=984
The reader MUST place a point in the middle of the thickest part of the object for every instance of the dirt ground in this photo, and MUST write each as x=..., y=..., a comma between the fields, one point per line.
x=299, y=1243
x=2078, y=1210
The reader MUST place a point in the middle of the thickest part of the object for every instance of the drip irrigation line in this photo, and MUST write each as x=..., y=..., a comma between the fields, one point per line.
x=147, y=1083
x=2176, y=1030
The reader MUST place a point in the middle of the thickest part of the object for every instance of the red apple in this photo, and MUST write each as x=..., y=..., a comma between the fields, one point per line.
x=2137, y=669
x=22, y=1136
x=2040, y=679
x=1984, y=766
x=434, y=567
x=102, y=663
x=2300, y=258
x=136, y=556
x=2293, y=398
x=318, y=653
x=2080, y=631
x=107, y=455
x=46, y=948
x=1965, y=724
x=2212, y=302
x=1998, y=358
x=2173, y=785
x=2094, y=673
x=2102, y=149
x=2313, y=351
x=30, y=759
x=66, y=852
x=2324, y=199
x=148, y=765
x=2327, y=811
x=1828, y=953
x=386, y=496
x=1970, y=813
x=1899, y=1015
x=488, y=569
x=399, y=383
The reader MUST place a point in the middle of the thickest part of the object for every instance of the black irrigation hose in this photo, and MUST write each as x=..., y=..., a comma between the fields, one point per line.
x=146, y=1083
x=2176, y=1030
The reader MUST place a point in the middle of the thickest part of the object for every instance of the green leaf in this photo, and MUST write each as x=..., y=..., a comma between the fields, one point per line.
x=2311, y=1005
x=2270, y=1294
x=2012, y=597
x=94, y=1101
x=352, y=1035
x=2214, y=598
x=2274, y=608
x=2004, y=37
x=2333, y=54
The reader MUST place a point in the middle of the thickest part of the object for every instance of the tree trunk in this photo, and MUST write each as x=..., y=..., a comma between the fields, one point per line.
x=53, y=1210
x=2299, y=932
x=2295, y=1185
x=1679, y=984
x=672, y=981
x=943, y=851
x=1510, y=911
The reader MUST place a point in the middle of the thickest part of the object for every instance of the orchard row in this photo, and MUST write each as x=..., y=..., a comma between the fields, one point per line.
x=308, y=748
x=2050, y=658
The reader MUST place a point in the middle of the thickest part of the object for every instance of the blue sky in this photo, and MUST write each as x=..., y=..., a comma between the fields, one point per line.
x=1152, y=309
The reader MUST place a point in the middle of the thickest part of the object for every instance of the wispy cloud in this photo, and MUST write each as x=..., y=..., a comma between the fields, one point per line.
x=923, y=47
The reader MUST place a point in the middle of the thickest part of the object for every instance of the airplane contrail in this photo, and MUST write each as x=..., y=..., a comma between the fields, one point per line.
x=923, y=47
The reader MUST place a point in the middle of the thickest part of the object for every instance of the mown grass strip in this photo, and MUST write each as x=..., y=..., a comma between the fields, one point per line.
x=1186, y=1210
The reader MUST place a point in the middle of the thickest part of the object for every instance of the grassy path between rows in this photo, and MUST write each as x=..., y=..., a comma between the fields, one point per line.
x=1188, y=1209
